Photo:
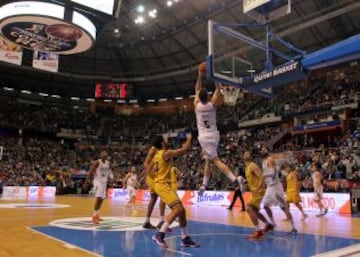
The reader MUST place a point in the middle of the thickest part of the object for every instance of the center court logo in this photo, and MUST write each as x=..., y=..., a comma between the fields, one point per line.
x=108, y=224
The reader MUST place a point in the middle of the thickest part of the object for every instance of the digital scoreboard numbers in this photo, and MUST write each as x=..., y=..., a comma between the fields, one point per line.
x=111, y=90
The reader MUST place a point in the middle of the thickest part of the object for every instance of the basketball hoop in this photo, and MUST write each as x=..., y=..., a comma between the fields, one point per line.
x=230, y=94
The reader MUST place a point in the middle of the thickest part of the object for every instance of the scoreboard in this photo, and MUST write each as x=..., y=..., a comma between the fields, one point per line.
x=112, y=90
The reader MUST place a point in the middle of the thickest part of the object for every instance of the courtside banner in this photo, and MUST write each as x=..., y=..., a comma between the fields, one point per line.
x=122, y=194
x=14, y=192
x=335, y=202
x=45, y=61
x=28, y=192
x=10, y=52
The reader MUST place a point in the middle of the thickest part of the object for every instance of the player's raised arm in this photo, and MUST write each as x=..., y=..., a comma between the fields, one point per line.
x=198, y=84
x=168, y=154
x=215, y=97
x=149, y=157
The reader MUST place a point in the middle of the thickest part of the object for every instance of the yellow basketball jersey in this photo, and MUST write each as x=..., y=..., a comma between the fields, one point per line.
x=173, y=176
x=291, y=182
x=252, y=180
x=162, y=168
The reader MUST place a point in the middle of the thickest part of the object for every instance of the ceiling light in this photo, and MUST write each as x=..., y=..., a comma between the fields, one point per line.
x=121, y=101
x=116, y=30
x=251, y=70
x=140, y=9
x=153, y=13
x=139, y=20
x=90, y=99
x=26, y=92
x=162, y=99
x=55, y=96
x=133, y=101
x=43, y=94
x=169, y=3
x=107, y=100
x=150, y=100
x=226, y=71
x=75, y=98
x=179, y=98
x=8, y=88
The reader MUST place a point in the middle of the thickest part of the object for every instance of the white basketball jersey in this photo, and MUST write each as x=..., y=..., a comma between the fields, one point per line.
x=103, y=171
x=270, y=175
x=132, y=180
x=205, y=117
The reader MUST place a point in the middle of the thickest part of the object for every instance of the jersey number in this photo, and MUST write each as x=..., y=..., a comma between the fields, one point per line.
x=206, y=124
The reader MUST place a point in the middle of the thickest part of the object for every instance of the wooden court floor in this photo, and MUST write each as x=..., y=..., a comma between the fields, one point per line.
x=17, y=239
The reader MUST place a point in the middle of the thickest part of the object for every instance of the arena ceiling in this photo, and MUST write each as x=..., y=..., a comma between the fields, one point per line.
x=160, y=58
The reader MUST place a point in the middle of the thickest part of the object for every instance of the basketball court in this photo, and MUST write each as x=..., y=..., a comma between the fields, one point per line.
x=61, y=226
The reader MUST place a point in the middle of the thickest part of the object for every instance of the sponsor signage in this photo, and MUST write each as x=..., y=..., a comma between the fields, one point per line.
x=293, y=66
x=335, y=202
x=318, y=125
x=10, y=52
x=40, y=26
x=46, y=61
x=278, y=76
x=28, y=192
x=11, y=57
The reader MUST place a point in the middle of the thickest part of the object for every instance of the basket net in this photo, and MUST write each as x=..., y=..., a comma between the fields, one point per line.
x=230, y=94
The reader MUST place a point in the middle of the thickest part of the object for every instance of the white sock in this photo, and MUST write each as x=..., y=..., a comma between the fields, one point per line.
x=231, y=176
x=184, y=232
x=164, y=227
x=206, y=180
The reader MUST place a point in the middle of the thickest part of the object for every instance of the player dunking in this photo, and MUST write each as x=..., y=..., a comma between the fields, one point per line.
x=209, y=136
x=102, y=173
x=162, y=164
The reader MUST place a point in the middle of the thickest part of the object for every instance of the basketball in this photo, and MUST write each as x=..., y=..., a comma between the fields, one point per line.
x=64, y=32
x=202, y=67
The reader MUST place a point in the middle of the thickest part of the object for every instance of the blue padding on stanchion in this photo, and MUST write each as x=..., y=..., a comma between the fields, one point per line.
x=342, y=51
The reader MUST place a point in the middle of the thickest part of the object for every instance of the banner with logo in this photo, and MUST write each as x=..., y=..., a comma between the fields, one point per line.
x=41, y=26
x=45, y=61
x=28, y=192
x=10, y=52
x=14, y=192
x=335, y=202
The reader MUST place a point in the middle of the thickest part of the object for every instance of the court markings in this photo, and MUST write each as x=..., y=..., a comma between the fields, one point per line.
x=65, y=244
x=33, y=205
x=109, y=223
x=350, y=251
x=209, y=236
